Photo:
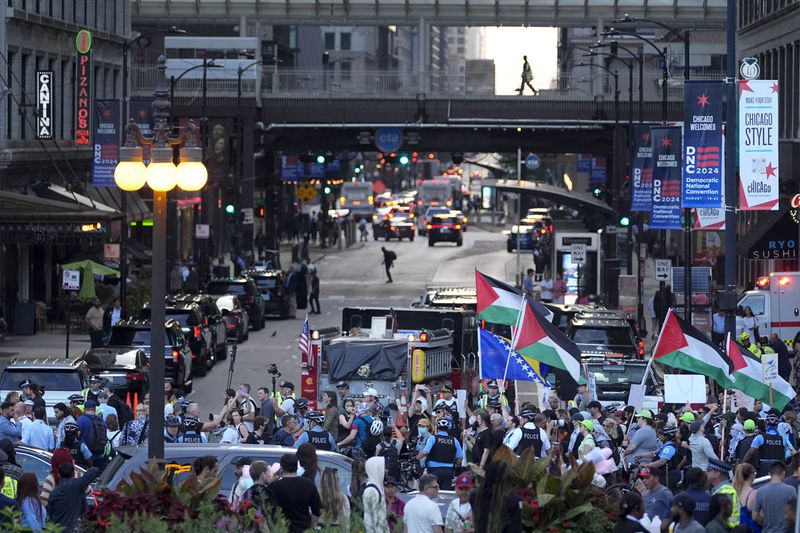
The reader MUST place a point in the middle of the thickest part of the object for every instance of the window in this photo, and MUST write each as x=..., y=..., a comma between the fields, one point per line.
x=346, y=71
x=23, y=79
x=9, y=100
x=330, y=41
x=52, y=380
x=345, y=41
x=755, y=302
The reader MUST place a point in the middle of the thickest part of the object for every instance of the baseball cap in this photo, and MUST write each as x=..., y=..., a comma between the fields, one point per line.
x=390, y=481
x=342, y=385
x=288, y=385
x=28, y=402
x=749, y=425
x=695, y=426
x=464, y=481
x=687, y=417
x=371, y=392
x=647, y=472
x=588, y=424
x=645, y=413
x=89, y=404
x=684, y=502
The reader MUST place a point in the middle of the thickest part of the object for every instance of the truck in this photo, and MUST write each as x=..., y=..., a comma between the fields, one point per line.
x=357, y=198
x=775, y=301
x=390, y=350
x=433, y=193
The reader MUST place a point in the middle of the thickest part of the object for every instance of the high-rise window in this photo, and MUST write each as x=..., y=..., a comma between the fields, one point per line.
x=345, y=41
x=346, y=70
x=330, y=40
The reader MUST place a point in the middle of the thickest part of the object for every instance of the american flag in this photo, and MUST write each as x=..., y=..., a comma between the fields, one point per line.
x=304, y=344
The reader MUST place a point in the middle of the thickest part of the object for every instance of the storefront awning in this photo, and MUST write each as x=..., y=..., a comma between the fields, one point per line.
x=17, y=207
x=774, y=237
x=137, y=209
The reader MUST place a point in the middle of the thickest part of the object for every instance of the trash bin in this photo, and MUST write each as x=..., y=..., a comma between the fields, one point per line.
x=25, y=318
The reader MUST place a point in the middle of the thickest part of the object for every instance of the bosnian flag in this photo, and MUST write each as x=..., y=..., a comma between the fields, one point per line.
x=538, y=338
x=500, y=303
x=681, y=345
x=750, y=377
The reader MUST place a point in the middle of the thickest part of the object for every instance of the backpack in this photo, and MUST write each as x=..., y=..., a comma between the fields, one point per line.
x=109, y=452
x=391, y=457
x=97, y=439
x=371, y=441
x=392, y=255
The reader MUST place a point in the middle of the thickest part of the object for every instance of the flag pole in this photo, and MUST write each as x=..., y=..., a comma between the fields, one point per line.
x=515, y=337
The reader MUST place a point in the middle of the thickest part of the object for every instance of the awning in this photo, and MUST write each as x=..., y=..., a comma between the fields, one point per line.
x=23, y=208
x=52, y=191
x=137, y=209
x=774, y=237
x=577, y=200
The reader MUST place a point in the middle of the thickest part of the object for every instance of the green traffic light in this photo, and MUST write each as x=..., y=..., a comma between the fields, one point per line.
x=321, y=159
x=597, y=191
x=230, y=209
x=404, y=160
x=327, y=190
x=357, y=170
x=625, y=222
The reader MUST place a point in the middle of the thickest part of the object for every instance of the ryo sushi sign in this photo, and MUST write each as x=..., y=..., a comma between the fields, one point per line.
x=83, y=93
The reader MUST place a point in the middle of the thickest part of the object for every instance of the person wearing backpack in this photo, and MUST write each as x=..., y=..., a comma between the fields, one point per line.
x=93, y=432
x=373, y=498
x=389, y=449
x=389, y=257
x=365, y=432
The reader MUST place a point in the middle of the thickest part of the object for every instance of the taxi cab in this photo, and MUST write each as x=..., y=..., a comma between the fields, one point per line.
x=445, y=227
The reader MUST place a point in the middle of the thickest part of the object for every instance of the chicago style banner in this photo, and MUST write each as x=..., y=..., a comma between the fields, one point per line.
x=106, y=142
x=758, y=145
x=702, y=144
x=641, y=171
x=665, y=211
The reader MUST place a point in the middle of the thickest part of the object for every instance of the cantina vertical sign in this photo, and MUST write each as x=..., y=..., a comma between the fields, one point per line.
x=702, y=144
x=665, y=210
x=44, y=105
x=83, y=88
x=758, y=145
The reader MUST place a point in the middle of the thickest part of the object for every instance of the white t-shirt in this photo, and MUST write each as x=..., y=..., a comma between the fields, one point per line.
x=547, y=289
x=421, y=514
x=230, y=436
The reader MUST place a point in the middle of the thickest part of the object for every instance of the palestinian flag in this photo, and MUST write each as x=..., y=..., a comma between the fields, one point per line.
x=539, y=339
x=499, y=303
x=750, y=377
x=681, y=345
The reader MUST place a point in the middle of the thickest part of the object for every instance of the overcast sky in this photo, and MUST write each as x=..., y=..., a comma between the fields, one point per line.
x=507, y=45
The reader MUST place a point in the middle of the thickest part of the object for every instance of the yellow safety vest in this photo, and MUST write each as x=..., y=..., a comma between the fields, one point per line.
x=727, y=489
x=10, y=488
x=485, y=401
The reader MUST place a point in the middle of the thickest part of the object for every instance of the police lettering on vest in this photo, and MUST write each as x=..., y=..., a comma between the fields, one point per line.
x=319, y=440
x=191, y=437
x=530, y=437
x=772, y=449
x=443, y=449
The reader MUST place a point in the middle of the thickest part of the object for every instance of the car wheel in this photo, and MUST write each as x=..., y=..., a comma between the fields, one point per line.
x=200, y=367
x=211, y=361
x=430, y=242
x=459, y=242
x=246, y=334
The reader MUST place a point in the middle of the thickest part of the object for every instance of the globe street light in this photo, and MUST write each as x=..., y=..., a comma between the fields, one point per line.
x=161, y=175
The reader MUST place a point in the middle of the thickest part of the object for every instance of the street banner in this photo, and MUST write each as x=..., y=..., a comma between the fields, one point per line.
x=641, y=171
x=106, y=142
x=141, y=112
x=219, y=134
x=665, y=211
x=702, y=144
x=712, y=218
x=758, y=145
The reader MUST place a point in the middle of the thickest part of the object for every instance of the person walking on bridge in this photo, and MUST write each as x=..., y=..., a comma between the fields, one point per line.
x=527, y=77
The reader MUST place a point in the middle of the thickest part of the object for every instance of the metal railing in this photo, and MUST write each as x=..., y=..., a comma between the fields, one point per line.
x=288, y=83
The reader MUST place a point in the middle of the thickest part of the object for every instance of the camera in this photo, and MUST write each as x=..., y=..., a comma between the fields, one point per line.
x=273, y=369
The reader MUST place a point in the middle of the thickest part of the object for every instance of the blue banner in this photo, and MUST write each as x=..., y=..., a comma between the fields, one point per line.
x=598, y=172
x=106, y=142
x=702, y=144
x=665, y=211
x=641, y=171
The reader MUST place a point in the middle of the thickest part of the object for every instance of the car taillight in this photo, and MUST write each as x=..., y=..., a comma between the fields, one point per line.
x=429, y=226
x=197, y=332
x=176, y=355
x=458, y=226
x=641, y=348
x=134, y=376
x=231, y=326
x=206, y=321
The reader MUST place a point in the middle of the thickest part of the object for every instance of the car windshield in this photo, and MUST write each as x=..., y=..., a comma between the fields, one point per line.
x=266, y=283
x=181, y=316
x=225, y=287
x=603, y=335
x=611, y=375
x=51, y=380
x=129, y=337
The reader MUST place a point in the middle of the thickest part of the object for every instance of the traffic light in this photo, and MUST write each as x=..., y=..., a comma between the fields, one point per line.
x=597, y=192
x=414, y=157
x=321, y=159
x=326, y=190
x=403, y=159
x=230, y=213
x=624, y=221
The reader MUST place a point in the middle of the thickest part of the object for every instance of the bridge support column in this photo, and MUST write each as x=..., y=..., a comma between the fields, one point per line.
x=423, y=53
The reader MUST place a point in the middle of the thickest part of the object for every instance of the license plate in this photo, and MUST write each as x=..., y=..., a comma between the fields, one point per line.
x=445, y=230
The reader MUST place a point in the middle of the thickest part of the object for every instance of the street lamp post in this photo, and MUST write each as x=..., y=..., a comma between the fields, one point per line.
x=240, y=123
x=161, y=175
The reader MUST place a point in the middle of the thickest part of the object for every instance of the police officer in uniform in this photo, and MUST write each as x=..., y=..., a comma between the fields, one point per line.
x=494, y=394
x=76, y=402
x=719, y=477
x=441, y=453
x=666, y=456
x=443, y=410
x=770, y=446
x=172, y=429
x=192, y=431
x=533, y=436
x=316, y=434
x=93, y=391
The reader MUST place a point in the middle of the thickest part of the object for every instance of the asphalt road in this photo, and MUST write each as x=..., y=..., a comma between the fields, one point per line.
x=355, y=277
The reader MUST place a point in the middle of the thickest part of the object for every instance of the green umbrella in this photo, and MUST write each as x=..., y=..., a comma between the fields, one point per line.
x=89, y=270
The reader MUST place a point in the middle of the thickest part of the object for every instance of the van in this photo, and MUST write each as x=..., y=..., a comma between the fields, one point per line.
x=775, y=302
x=61, y=378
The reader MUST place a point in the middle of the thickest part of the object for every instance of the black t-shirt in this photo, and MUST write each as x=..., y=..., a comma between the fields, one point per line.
x=483, y=441
x=413, y=420
x=295, y=496
x=497, y=439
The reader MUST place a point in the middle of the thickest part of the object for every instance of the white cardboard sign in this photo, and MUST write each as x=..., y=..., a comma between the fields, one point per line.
x=684, y=388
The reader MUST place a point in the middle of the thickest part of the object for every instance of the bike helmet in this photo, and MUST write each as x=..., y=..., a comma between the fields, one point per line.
x=71, y=426
x=444, y=423
x=376, y=428
x=172, y=421
x=668, y=431
x=301, y=403
x=315, y=416
x=440, y=405
x=528, y=414
x=744, y=336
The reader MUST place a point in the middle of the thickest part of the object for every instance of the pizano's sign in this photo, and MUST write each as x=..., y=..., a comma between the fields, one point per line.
x=83, y=100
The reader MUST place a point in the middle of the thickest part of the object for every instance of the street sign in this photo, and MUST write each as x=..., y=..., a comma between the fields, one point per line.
x=532, y=162
x=664, y=270
x=202, y=231
x=578, y=252
x=111, y=252
x=769, y=367
x=749, y=69
x=388, y=139
x=247, y=215
x=306, y=193
x=71, y=280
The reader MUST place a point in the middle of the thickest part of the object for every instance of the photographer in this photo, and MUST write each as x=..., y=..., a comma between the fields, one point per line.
x=418, y=410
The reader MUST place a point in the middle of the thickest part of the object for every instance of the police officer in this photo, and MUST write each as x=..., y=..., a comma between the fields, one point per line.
x=79, y=451
x=300, y=411
x=441, y=453
x=93, y=390
x=442, y=410
x=191, y=432
x=719, y=477
x=172, y=429
x=532, y=434
x=494, y=394
x=76, y=402
x=666, y=456
x=744, y=339
x=316, y=434
x=770, y=446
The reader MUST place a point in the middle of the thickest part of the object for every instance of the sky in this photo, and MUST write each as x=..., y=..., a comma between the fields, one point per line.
x=507, y=45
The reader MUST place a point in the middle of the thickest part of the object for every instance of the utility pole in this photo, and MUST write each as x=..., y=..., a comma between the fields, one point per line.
x=517, y=275
x=728, y=302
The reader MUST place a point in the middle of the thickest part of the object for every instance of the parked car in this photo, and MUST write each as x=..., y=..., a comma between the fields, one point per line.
x=179, y=459
x=128, y=371
x=237, y=321
x=249, y=295
x=61, y=378
x=212, y=317
x=270, y=285
x=135, y=333
x=197, y=333
x=37, y=461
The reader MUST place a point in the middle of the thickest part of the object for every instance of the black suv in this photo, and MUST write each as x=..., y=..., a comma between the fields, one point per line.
x=212, y=317
x=445, y=227
x=197, y=333
x=604, y=338
x=129, y=334
x=270, y=284
x=249, y=296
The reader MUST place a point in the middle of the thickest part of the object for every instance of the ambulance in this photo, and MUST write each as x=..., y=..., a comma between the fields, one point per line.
x=775, y=302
